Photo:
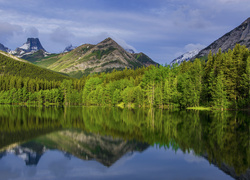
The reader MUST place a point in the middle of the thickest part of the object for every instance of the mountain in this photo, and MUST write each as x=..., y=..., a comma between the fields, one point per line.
x=83, y=60
x=3, y=48
x=87, y=146
x=31, y=46
x=19, y=67
x=185, y=57
x=69, y=48
x=229, y=169
x=239, y=35
x=144, y=59
x=35, y=56
x=32, y=155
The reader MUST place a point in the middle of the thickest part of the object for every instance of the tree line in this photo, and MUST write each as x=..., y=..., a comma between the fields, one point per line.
x=222, y=82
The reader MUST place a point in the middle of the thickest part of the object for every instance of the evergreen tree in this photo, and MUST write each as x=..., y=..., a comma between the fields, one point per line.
x=196, y=73
x=219, y=95
x=66, y=87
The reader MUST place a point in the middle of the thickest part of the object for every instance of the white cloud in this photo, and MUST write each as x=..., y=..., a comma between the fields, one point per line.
x=123, y=43
x=61, y=35
x=32, y=32
x=8, y=30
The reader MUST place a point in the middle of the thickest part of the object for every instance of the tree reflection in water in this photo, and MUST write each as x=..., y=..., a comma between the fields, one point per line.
x=220, y=137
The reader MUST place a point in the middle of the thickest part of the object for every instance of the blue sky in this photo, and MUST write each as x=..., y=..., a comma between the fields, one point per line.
x=162, y=29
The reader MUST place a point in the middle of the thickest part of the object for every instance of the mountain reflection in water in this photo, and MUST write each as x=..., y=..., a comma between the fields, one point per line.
x=109, y=134
x=86, y=146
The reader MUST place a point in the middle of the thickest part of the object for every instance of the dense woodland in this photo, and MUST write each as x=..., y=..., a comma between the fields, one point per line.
x=223, y=82
x=9, y=66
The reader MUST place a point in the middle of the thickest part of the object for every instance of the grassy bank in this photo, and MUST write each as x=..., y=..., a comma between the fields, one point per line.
x=200, y=108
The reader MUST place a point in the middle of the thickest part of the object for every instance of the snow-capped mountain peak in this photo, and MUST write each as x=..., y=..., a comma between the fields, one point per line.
x=32, y=45
x=185, y=57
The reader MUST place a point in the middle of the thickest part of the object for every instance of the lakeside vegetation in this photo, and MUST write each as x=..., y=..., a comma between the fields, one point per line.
x=223, y=82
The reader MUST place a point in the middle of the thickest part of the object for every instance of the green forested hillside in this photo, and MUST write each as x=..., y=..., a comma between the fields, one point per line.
x=223, y=82
x=47, y=61
x=9, y=66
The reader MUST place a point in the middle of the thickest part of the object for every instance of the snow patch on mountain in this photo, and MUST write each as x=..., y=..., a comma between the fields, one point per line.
x=185, y=57
x=25, y=46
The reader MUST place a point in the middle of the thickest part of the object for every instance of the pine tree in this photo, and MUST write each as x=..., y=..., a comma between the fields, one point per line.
x=66, y=87
x=196, y=73
x=219, y=94
x=246, y=82
x=248, y=75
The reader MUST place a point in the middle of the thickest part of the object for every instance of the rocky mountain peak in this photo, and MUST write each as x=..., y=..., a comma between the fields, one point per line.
x=108, y=39
x=245, y=30
x=31, y=46
x=108, y=42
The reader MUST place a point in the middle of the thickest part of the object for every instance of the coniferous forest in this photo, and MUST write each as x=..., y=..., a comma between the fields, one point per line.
x=221, y=82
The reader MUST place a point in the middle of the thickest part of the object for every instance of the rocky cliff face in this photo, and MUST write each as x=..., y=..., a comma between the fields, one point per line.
x=239, y=35
x=31, y=46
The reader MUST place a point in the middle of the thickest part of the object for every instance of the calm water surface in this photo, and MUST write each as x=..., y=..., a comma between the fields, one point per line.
x=110, y=143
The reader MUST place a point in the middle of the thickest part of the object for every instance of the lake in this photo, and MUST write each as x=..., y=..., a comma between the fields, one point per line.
x=112, y=143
